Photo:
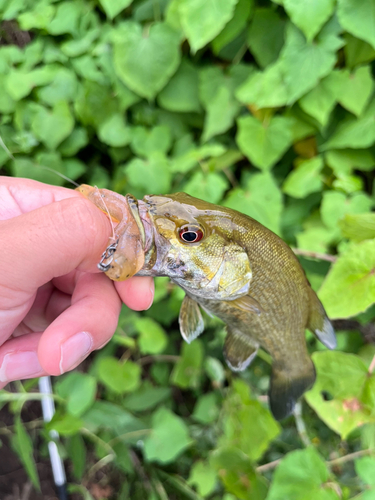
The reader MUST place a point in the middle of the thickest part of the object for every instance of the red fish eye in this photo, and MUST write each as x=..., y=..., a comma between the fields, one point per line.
x=191, y=234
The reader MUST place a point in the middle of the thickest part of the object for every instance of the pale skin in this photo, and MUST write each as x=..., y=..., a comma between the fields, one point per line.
x=55, y=306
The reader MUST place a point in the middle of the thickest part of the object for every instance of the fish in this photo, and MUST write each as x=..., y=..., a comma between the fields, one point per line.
x=233, y=267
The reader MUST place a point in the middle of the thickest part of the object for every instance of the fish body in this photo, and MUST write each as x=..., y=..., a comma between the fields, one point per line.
x=231, y=266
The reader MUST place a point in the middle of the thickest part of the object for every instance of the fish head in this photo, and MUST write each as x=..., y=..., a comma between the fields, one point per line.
x=194, y=243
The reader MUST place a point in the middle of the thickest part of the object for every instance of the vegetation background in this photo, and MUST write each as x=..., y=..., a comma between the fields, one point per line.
x=266, y=107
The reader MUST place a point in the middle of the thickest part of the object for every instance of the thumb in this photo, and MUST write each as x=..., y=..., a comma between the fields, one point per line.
x=51, y=241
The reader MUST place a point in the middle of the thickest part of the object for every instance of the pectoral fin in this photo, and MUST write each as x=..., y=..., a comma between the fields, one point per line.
x=190, y=320
x=239, y=350
x=247, y=303
x=319, y=324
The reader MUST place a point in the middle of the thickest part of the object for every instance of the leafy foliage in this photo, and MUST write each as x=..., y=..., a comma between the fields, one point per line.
x=263, y=106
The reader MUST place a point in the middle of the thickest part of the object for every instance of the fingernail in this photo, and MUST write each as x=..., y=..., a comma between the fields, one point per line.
x=19, y=365
x=74, y=350
x=152, y=292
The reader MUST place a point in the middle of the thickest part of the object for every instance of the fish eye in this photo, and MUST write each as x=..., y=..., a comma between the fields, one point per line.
x=190, y=234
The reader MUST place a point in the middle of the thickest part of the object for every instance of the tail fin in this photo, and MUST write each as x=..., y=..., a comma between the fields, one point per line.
x=319, y=323
x=287, y=385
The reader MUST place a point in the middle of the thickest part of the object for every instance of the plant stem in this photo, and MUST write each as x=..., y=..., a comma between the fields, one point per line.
x=315, y=255
x=159, y=357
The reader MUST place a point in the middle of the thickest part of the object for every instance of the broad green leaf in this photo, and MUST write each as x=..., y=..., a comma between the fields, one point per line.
x=266, y=36
x=194, y=156
x=152, y=338
x=169, y=437
x=65, y=424
x=114, y=131
x=236, y=472
x=344, y=161
x=209, y=187
x=203, y=476
x=117, y=376
x=365, y=468
x=248, y=426
x=221, y=111
x=52, y=127
x=95, y=104
x=39, y=18
x=264, y=143
x=357, y=51
x=79, y=390
x=316, y=238
x=114, y=7
x=7, y=104
x=31, y=169
x=321, y=100
x=181, y=92
x=260, y=198
x=340, y=395
x=206, y=410
x=336, y=205
x=20, y=83
x=66, y=18
x=214, y=370
x=151, y=175
x=305, y=179
x=146, y=398
x=358, y=18
x=74, y=48
x=265, y=89
x=309, y=15
x=63, y=88
x=202, y=21
x=235, y=26
x=23, y=446
x=106, y=415
x=188, y=370
x=302, y=474
x=305, y=63
x=356, y=89
x=350, y=285
x=76, y=141
x=145, y=61
x=145, y=142
x=77, y=453
x=358, y=227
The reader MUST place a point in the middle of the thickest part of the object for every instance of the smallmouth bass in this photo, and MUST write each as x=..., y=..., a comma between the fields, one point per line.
x=232, y=267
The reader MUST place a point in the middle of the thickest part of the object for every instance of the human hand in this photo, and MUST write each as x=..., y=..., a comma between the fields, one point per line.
x=55, y=307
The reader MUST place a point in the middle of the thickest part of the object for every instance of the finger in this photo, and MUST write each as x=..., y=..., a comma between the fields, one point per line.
x=86, y=325
x=18, y=196
x=137, y=292
x=19, y=359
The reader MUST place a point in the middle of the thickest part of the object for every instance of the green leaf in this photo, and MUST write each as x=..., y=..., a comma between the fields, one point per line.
x=76, y=141
x=112, y=8
x=266, y=36
x=203, y=476
x=344, y=161
x=206, y=409
x=152, y=339
x=248, y=426
x=74, y=48
x=114, y=131
x=151, y=175
x=340, y=393
x=305, y=179
x=38, y=18
x=202, y=21
x=238, y=475
x=350, y=285
x=187, y=371
x=145, y=142
x=95, y=104
x=181, y=92
x=117, y=376
x=358, y=227
x=19, y=84
x=168, y=439
x=336, y=205
x=305, y=63
x=235, y=26
x=321, y=100
x=66, y=424
x=302, y=474
x=264, y=143
x=77, y=453
x=260, y=198
x=105, y=415
x=356, y=89
x=63, y=88
x=357, y=51
x=309, y=16
x=210, y=187
x=146, y=398
x=79, y=391
x=214, y=370
x=145, y=61
x=358, y=19
x=52, y=127
x=365, y=468
x=66, y=18
x=23, y=446
x=31, y=169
